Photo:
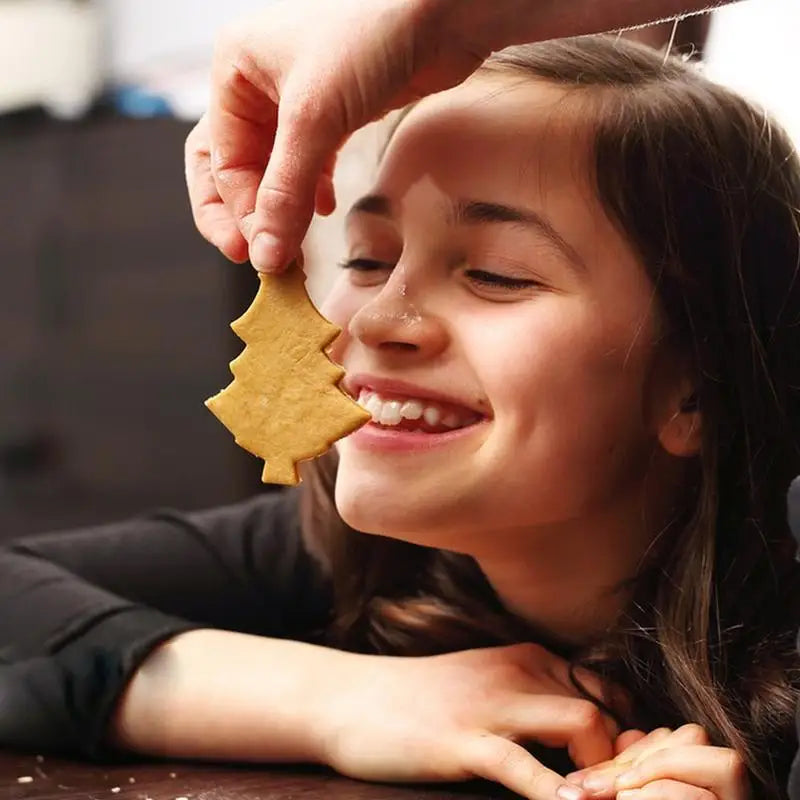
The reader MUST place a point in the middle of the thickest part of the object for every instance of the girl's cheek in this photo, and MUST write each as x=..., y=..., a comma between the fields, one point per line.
x=337, y=306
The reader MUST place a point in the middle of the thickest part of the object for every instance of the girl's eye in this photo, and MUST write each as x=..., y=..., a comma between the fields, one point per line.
x=493, y=280
x=364, y=264
x=366, y=272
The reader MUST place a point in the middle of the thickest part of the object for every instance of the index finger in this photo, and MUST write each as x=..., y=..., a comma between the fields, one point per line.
x=557, y=721
x=497, y=759
x=305, y=144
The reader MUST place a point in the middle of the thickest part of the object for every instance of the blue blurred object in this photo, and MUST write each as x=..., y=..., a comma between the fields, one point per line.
x=136, y=101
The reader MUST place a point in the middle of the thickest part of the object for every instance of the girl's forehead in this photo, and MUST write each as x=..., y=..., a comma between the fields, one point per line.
x=497, y=131
x=520, y=144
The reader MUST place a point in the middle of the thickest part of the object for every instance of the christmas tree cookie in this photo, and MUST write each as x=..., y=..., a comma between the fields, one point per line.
x=284, y=404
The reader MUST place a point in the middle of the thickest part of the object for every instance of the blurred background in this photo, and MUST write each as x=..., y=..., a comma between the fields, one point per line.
x=114, y=313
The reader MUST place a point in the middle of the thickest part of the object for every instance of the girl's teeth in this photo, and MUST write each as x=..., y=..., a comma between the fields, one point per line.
x=431, y=415
x=393, y=412
x=412, y=409
x=373, y=405
x=390, y=413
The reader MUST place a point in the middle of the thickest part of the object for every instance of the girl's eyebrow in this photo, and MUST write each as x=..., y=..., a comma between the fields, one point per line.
x=377, y=204
x=481, y=212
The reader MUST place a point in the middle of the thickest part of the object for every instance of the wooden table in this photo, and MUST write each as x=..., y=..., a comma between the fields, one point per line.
x=29, y=777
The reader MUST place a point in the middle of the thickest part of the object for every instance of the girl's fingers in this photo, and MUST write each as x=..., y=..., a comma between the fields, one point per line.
x=497, y=759
x=626, y=739
x=686, y=734
x=667, y=790
x=690, y=734
x=211, y=216
x=655, y=739
x=720, y=770
x=599, y=779
x=557, y=721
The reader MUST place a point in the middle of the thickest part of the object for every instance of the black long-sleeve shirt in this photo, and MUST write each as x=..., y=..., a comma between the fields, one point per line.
x=80, y=611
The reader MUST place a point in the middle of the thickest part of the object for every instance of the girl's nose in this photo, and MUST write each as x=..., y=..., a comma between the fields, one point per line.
x=395, y=322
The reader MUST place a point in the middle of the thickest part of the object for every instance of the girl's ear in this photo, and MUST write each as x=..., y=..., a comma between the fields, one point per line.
x=680, y=434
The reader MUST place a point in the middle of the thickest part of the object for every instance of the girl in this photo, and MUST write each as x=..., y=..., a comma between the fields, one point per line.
x=571, y=305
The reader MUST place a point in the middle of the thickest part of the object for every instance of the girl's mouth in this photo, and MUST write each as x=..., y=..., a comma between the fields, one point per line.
x=409, y=423
x=415, y=414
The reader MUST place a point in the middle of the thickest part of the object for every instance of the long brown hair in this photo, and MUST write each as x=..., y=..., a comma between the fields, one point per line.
x=707, y=189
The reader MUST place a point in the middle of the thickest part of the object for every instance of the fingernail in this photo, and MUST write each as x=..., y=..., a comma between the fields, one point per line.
x=567, y=792
x=266, y=253
x=627, y=780
x=575, y=777
x=598, y=783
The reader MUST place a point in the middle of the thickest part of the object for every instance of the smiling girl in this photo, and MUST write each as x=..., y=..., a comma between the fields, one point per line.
x=571, y=304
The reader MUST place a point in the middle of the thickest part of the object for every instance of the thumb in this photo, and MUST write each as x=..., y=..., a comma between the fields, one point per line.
x=305, y=143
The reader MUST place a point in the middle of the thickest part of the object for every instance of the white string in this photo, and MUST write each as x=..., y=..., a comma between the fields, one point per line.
x=671, y=39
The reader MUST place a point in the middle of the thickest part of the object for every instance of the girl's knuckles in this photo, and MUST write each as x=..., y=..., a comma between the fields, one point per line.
x=527, y=658
x=693, y=733
x=673, y=790
x=531, y=653
x=585, y=716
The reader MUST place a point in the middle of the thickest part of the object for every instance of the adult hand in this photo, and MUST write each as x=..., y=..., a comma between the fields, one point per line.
x=667, y=765
x=463, y=715
x=289, y=85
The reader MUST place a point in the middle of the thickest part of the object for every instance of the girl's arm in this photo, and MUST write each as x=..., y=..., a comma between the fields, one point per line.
x=81, y=610
x=221, y=695
x=108, y=643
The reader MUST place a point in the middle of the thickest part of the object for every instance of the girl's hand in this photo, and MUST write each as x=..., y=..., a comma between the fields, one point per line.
x=667, y=765
x=463, y=715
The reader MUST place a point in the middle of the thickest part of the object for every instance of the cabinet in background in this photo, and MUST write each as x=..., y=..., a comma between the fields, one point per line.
x=114, y=324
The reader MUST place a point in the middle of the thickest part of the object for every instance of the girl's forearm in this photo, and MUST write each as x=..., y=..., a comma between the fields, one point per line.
x=211, y=694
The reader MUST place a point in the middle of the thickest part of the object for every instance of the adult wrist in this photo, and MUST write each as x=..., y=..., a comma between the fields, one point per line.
x=481, y=27
x=484, y=26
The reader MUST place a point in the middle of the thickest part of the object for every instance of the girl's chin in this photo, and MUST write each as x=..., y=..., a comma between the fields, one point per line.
x=367, y=516
x=394, y=497
x=370, y=507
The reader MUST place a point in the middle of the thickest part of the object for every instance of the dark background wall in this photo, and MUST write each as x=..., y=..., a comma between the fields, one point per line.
x=114, y=318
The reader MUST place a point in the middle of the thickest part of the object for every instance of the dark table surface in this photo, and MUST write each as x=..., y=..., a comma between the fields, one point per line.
x=26, y=776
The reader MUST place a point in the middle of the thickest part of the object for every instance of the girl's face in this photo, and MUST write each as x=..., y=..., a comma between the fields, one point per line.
x=489, y=292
